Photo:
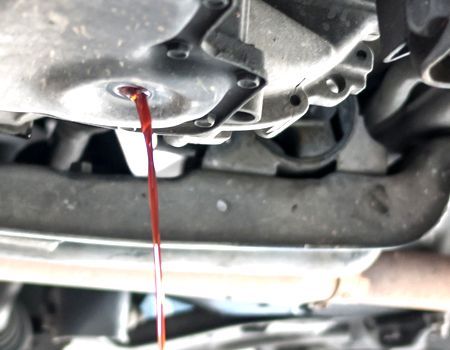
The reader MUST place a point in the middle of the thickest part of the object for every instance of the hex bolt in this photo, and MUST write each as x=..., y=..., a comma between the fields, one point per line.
x=178, y=50
x=248, y=81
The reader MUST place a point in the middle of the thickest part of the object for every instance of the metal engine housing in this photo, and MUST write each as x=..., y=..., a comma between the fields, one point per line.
x=212, y=67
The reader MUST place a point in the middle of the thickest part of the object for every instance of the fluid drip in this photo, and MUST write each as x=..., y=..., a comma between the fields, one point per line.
x=140, y=99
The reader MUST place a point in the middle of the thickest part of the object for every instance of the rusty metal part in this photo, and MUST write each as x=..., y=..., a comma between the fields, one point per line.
x=412, y=280
x=274, y=289
x=262, y=274
x=402, y=279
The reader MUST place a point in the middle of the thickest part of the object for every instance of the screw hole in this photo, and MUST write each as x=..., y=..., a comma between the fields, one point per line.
x=242, y=117
x=178, y=55
x=178, y=50
x=361, y=55
x=295, y=100
x=205, y=122
x=336, y=84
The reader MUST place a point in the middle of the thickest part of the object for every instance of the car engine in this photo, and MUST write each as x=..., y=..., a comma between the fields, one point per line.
x=303, y=163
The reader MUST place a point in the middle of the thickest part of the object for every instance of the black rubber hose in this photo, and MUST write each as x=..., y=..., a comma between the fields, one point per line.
x=427, y=116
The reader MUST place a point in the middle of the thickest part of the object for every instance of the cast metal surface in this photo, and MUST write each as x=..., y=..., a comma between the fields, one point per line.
x=190, y=269
x=74, y=70
x=307, y=61
x=309, y=145
x=204, y=65
x=71, y=140
x=341, y=209
x=421, y=29
x=362, y=154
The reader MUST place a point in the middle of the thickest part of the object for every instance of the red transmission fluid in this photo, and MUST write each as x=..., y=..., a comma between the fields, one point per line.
x=139, y=97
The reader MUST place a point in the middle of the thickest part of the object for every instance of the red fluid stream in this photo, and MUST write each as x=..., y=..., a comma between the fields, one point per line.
x=143, y=109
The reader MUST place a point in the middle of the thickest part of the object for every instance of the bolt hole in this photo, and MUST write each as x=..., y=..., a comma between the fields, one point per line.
x=126, y=90
x=205, y=122
x=178, y=50
x=295, y=100
x=178, y=54
x=361, y=55
x=336, y=84
x=242, y=117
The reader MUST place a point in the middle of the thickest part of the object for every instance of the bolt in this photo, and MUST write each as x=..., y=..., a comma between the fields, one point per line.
x=248, y=81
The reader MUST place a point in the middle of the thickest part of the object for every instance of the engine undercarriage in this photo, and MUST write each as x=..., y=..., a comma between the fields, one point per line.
x=302, y=158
